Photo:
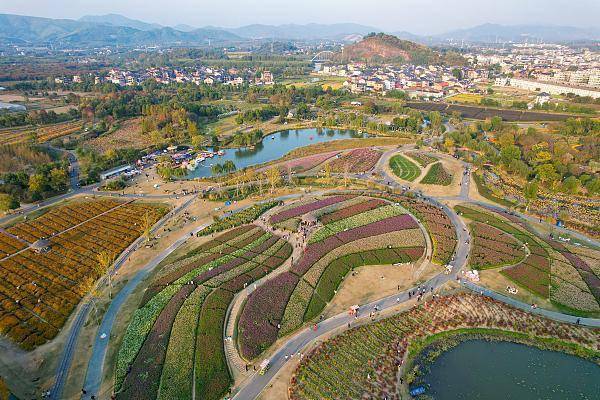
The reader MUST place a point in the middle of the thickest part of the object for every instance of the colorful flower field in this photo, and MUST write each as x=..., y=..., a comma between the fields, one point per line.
x=404, y=169
x=10, y=244
x=438, y=225
x=437, y=175
x=346, y=212
x=306, y=163
x=179, y=325
x=356, y=161
x=423, y=159
x=40, y=289
x=492, y=248
x=588, y=275
x=43, y=134
x=358, y=220
x=303, y=292
x=298, y=211
x=533, y=273
x=363, y=362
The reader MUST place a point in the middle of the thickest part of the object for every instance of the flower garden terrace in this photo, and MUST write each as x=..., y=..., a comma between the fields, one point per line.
x=174, y=345
x=49, y=263
x=369, y=360
x=505, y=247
x=338, y=234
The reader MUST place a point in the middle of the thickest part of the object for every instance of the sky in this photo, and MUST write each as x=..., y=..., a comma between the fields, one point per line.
x=416, y=16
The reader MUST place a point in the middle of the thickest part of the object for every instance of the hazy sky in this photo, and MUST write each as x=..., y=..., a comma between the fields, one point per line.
x=418, y=16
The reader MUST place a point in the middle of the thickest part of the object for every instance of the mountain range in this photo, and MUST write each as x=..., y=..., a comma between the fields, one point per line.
x=114, y=29
x=493, y=33
x=23, y=30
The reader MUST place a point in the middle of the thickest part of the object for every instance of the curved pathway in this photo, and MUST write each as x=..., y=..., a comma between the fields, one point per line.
x=95, y=369
x=557, y=316
x=256, y=383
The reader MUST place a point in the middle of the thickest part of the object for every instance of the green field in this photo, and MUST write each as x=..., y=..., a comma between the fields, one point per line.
x=437, y=175
x=404, y=168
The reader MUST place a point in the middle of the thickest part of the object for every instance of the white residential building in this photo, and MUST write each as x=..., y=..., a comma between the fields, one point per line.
x=551, y=88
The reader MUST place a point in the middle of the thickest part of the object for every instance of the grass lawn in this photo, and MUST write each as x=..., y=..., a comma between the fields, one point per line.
x=404, y=168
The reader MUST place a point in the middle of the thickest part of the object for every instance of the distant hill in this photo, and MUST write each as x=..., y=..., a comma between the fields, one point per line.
x=388, y=48
x=120, y=20
x=302, y=32
x=184, y=28
x=491, y=33
x=16, y=29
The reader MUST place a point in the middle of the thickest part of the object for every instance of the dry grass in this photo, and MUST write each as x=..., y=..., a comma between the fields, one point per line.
x=370, y=283
x=127, y=135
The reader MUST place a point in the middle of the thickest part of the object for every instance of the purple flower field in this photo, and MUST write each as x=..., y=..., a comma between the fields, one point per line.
x=306, y=208
x=257, y=327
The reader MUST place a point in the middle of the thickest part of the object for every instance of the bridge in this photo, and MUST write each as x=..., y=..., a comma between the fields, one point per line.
x=323, y=56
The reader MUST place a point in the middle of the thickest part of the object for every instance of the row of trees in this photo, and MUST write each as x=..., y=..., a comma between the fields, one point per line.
x=36, y=117
x=46, y=181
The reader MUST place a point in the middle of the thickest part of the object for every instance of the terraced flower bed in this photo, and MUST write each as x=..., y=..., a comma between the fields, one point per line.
x=438, y=225
x=557, y=264
x=492, y=248
x=361, y=219
x=422, y=158
x=437, y=175
x=304, y=291
x=179, y=327
x=355, y=209
x=40, y=289
x=355, y=161
x=306, y=208
x=404, y=169
x=533, y=273
x=363, y=362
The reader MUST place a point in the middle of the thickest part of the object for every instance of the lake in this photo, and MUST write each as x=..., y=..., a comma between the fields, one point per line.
x=477, y=369
x=272, y=147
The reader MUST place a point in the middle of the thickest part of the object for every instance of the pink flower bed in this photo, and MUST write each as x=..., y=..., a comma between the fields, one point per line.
x=307, y=163
x=262, y=313
x=358, y=160
x=304, y=209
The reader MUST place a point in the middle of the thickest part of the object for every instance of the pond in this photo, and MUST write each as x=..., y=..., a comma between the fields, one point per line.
x=478, y=369
x=272, y=147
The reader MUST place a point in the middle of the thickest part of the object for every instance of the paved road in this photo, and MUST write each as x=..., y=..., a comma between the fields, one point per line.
x=74, y=163
x=560, y=317
x=68, y=352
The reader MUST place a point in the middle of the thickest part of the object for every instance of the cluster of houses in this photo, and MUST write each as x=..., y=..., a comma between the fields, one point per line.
x=549, y=68
x=164, y=75
x=433, y=81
